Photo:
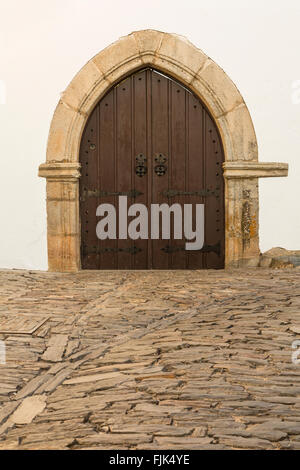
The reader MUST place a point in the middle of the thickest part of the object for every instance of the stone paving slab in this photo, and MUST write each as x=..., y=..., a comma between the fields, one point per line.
x=150, y=359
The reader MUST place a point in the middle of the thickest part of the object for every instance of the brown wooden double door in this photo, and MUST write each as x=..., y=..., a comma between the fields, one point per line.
x=151, y=139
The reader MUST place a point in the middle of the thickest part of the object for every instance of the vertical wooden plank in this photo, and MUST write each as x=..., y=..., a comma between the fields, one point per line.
x=195, y=170
x=124, y=156
x=149, y=162
x=214, y=206
x=89, y=178
x=107, y=168
x=139, y=137
x=178, y=163
x=160, y=145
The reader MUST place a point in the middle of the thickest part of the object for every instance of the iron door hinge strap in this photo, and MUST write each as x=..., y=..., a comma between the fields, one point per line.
x=98, y=193
x=95, y=251
x=201, y=192
x=205, y=249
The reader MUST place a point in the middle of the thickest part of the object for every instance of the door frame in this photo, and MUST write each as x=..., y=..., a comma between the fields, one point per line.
x=177, y=57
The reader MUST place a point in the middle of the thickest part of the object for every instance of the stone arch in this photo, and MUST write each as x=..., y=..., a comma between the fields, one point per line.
x=177, y=57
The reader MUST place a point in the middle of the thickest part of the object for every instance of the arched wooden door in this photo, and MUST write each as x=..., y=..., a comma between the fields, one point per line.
x=151, y=139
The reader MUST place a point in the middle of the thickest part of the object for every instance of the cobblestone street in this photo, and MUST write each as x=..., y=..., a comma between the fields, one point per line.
x=150, y=360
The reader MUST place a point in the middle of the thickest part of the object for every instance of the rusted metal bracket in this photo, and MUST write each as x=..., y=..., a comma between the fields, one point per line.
x=98, y=193
x=201, y=192
x=96, y=251
x=205, y=249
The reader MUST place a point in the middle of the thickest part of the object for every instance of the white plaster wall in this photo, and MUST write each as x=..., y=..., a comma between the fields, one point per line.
x=44, y=43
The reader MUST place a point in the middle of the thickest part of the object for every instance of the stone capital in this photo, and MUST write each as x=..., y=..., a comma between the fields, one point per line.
x=248, y=169
x=60, y=171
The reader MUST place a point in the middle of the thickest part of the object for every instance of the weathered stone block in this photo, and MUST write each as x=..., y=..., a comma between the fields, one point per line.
x=81, y=85
x=280, y=258
x=221, y=85
x=59, y=132
x=148, y=41
x=63, y=253
x=241, y=132
x=118, y=53
x=62, y=190
x=182, y=52
x=62, y=217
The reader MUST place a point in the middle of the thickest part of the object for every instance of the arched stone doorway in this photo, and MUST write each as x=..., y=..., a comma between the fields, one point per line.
x=179, y=59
